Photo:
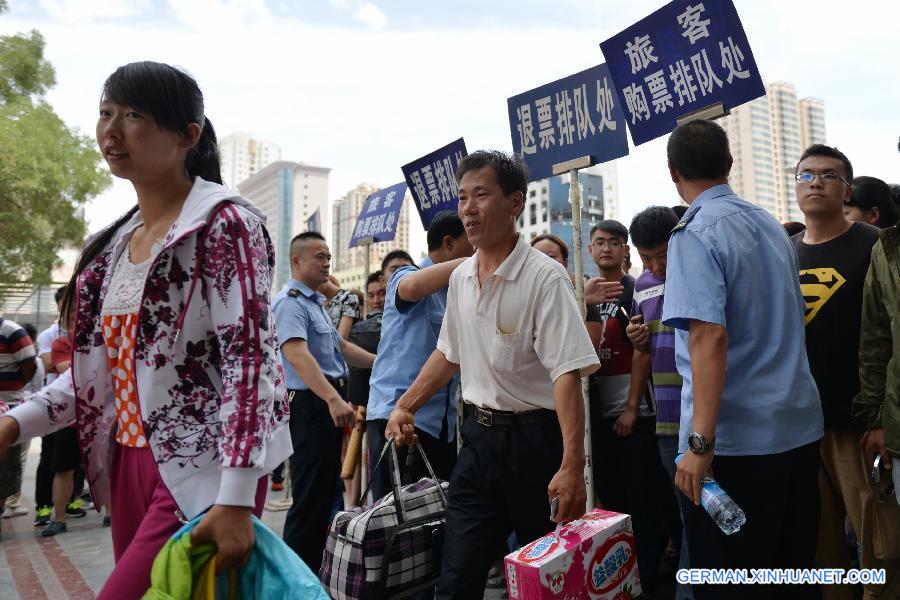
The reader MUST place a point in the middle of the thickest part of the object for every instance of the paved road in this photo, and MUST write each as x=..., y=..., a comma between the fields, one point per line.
x=72, y=565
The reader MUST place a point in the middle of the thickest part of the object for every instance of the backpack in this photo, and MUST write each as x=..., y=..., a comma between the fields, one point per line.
x=365, y=334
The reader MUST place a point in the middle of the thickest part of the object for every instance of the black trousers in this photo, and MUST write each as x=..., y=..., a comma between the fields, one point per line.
x=629, y=478
x=315, y=467
x=43, y=479
x=779, y=494
x=59, y=453
x=499, y=485
x=441, y=455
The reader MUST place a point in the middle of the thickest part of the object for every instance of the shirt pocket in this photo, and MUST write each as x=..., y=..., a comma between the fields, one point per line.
x=324, y=335
x=504, y=351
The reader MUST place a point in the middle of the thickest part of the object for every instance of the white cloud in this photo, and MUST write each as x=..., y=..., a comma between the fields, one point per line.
x=85, y=10
x=218, y=15
x=370, y=15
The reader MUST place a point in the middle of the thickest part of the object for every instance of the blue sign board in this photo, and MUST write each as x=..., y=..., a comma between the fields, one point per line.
x=573, y=117
x=379, y=216
x=687, y=55
x=432, y=180
x=314, y=223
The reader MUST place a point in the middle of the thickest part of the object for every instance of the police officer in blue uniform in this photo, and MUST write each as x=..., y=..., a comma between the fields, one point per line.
x=313, y=354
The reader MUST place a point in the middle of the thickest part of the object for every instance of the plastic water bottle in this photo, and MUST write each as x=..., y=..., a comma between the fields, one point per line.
x=723, y=510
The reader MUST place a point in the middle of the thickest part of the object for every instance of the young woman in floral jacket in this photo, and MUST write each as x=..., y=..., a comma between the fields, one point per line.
x=175, y=386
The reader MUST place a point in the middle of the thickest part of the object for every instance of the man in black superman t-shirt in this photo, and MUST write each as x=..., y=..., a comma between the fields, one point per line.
x=834, y=256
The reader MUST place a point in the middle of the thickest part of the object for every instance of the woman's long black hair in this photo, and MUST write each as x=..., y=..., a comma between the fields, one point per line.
x=174, y=100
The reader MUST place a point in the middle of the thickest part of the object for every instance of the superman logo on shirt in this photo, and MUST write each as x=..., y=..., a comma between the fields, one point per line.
x=818, y=286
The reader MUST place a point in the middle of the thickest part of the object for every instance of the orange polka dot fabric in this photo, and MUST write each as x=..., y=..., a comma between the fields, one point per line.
x=120, y=332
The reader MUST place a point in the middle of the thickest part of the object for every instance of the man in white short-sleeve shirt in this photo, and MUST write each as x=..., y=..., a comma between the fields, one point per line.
x=513, y=331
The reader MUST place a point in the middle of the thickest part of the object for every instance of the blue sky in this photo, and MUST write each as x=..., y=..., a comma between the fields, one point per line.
x=365, y=86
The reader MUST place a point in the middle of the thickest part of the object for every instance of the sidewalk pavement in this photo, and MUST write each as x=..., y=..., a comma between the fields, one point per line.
x=72, y=565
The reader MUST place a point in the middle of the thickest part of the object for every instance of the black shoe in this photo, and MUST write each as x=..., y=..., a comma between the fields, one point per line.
x=107, y=522
x=496, y=577
x=53, y=528
x=73, y=509
x=42, y=516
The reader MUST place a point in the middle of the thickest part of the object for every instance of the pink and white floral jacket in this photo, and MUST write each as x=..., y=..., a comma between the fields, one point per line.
x=209, y=377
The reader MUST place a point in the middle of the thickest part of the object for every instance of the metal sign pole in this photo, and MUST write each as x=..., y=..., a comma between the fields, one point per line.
x=361, y=411
x=571, y=167
x=366, y=268
x=575, y=200
x=355, y=457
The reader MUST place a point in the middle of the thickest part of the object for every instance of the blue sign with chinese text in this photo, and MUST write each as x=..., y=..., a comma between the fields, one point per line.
x=314, y=223
x=432, y=180
x=687, y=55
x=379, y=216
x=572, y=117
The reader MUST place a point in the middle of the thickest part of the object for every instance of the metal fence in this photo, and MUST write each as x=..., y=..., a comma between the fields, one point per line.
x=29, y=303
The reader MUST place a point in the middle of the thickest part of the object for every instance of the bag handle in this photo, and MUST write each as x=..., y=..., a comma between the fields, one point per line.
x=396, y=482
x=375, y=470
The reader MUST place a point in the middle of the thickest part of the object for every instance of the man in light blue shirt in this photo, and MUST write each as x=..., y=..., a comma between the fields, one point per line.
x=313, y=355
x=413, y=311
x=750, y=410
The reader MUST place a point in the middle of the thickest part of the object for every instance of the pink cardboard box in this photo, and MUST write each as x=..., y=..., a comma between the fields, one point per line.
x=591, y=558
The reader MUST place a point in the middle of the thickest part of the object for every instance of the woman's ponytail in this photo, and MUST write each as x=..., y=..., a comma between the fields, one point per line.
x=203, y=160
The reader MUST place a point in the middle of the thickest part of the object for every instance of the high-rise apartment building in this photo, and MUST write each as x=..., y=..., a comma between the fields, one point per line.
x=242, y=156
x=348, y=263
x=547, y=208
x=288, y=193
x=767, y=137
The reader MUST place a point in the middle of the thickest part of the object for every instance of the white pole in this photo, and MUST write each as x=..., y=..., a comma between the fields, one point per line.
x=364, y=454
x=575, y=201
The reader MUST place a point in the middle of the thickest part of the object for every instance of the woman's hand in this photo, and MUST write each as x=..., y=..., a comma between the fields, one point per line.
x=231, y=530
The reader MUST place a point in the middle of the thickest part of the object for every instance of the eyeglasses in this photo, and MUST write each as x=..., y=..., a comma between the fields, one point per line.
x=611, y=244
x=825, y=176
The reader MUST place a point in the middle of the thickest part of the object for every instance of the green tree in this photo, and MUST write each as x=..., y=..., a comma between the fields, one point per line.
x=48, y=171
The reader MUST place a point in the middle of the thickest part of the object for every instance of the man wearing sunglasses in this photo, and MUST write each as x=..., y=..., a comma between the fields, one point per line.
x=834, y=255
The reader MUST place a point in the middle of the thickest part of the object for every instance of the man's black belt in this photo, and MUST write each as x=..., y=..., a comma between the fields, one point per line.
x=492, y=418
x=339, y=384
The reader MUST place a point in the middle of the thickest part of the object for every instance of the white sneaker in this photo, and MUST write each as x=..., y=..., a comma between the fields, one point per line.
x=14, y=511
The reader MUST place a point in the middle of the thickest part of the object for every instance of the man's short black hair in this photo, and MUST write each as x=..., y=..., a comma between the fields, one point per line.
x=895, y=194
x=395, y=254
x=373, y=277
x=32, y=331
x=679, y=210
x=611, y=226
x=871, y=192
x=446, y=222
x=698, y=150
x=829, y=151
x=58, y=295
x=651, y=227
x=512, y=173
x=303, y=237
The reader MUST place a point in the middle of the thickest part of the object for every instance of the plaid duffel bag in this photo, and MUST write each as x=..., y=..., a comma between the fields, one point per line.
x=392, y=548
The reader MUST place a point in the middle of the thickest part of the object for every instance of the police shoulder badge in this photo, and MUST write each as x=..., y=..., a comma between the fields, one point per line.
x=685, y=219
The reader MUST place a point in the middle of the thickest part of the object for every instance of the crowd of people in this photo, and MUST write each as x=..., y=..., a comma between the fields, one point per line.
x=177, y=385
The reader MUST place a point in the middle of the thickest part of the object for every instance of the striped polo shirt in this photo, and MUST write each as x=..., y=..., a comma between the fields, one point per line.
x=15, y=348
x=649, y=292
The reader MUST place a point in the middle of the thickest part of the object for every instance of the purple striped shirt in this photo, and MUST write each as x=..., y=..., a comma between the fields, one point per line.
x=649, y=293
